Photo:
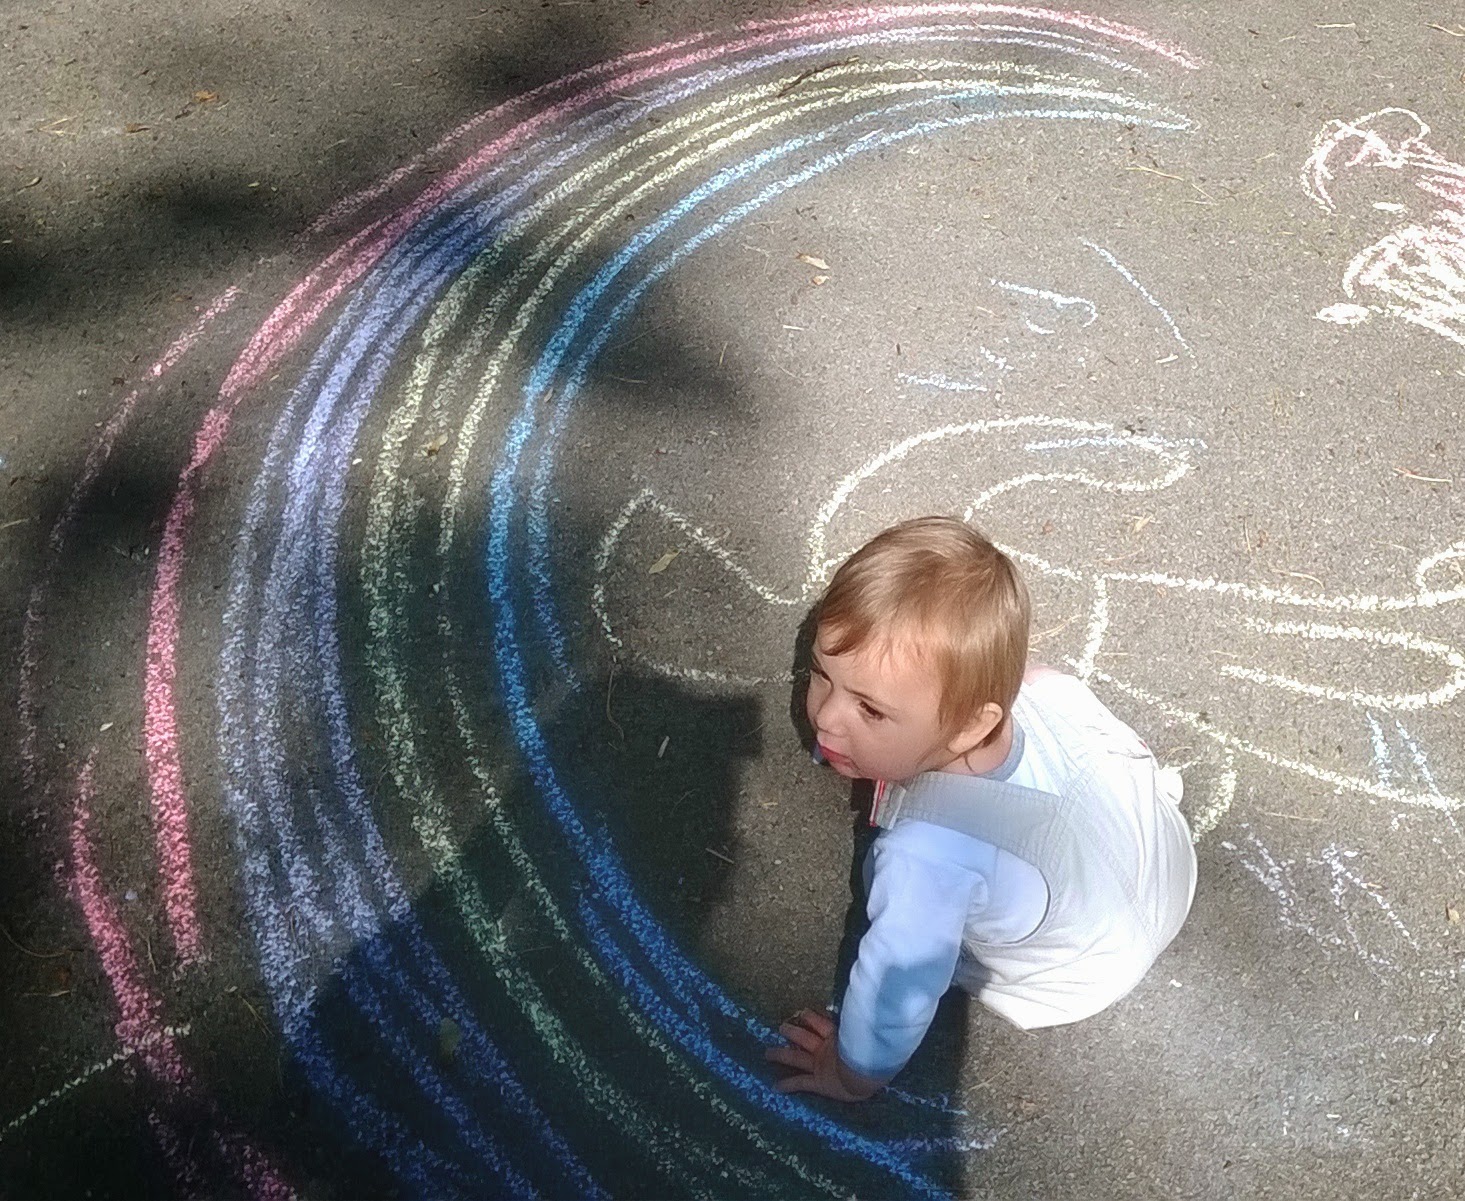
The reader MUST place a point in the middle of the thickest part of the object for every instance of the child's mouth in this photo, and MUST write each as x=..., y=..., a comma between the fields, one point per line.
x=834, y=758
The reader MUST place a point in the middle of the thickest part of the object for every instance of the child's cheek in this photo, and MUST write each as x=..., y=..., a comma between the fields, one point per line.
x=818, y=690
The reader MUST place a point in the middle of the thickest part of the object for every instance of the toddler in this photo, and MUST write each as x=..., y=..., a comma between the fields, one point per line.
x=1030, y=850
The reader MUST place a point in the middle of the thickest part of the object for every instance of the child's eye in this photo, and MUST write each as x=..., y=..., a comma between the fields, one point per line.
x=815, y=669
x=871, y=712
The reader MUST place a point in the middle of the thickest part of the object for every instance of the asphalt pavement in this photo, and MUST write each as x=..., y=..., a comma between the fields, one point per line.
x=423, y=432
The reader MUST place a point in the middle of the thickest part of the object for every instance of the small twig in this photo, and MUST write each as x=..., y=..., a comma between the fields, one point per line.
x=17, y=521
x=60, y=992
x=1178, y=178
x=718, y=855
x=811, y=72
x=1423, y=479
x=1301, y=575
x=1337, y=25
x=1454, y=33
x=645, y=333
x=10, y=938
x=255, y=1012
x=1041, y=634
x=609, y=716
x=1154, y=171
x=1296, y=817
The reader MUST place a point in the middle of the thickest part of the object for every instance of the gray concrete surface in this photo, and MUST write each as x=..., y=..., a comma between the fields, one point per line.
x=391, y=815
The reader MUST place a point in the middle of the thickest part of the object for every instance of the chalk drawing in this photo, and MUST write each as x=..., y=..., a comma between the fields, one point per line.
x=1362, y=921
x=1128, y=276
x=1416, y=271
x=461, y=303
x=147, y=1039
x=1356, y=899
x=166, y=1034
x=944, y=382
x=1167, y=462
x=1086, y=311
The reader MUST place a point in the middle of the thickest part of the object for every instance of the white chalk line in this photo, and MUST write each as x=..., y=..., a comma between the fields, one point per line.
x=1057, y=299
x=1425, y=598
x=1277, y=877
x=943, y=382
x=937, y=379
x=1128, y=276
x=166, y=1034
x=1339, y=780
x=1208, y=816
x=1315, y=631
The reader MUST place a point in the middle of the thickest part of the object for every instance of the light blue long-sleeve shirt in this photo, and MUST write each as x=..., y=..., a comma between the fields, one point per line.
x=927, y=886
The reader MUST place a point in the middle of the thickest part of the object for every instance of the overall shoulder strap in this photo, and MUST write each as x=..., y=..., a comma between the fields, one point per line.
x=1009, y=816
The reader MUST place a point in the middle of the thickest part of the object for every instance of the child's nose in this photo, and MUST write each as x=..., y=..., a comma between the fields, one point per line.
x=824, y=716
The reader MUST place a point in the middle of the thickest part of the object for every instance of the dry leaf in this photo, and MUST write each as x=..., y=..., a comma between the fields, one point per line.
x=104, y=727
x=819, y=280
x=663, y=563
x=134, y=127
x=204, y=97
x=813, y=261
x=431, y=448
x=449, y=1035
x=1452, y=915
x=30, y=183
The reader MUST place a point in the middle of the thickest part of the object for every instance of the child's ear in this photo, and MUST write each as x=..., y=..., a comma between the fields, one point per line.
x=988, y=718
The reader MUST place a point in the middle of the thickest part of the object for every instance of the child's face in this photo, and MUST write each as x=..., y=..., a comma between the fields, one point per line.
x=876, y=712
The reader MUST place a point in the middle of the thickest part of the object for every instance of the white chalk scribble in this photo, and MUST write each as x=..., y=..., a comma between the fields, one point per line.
x=1416, y=271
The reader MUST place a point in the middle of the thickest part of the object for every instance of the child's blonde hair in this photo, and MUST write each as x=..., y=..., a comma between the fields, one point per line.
x=935, y=587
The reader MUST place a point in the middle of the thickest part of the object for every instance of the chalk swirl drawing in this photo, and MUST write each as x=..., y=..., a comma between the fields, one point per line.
x=1281, y=617
x=1416, y=271
x=348, y=707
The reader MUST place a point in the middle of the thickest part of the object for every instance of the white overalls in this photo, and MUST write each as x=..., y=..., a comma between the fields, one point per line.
x=1103, y=838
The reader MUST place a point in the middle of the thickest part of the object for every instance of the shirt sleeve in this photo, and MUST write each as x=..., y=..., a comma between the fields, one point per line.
x=918, y=908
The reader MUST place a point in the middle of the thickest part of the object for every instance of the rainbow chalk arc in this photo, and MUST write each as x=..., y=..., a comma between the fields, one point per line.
x=417, y=386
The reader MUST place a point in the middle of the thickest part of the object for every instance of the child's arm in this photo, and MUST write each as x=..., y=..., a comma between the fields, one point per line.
x=918, y=909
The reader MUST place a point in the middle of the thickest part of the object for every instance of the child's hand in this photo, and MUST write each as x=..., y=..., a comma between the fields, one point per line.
x=813, y=1052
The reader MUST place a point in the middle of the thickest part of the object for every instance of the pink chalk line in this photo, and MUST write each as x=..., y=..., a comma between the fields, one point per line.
x=96, y=459
x=140, y=1027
